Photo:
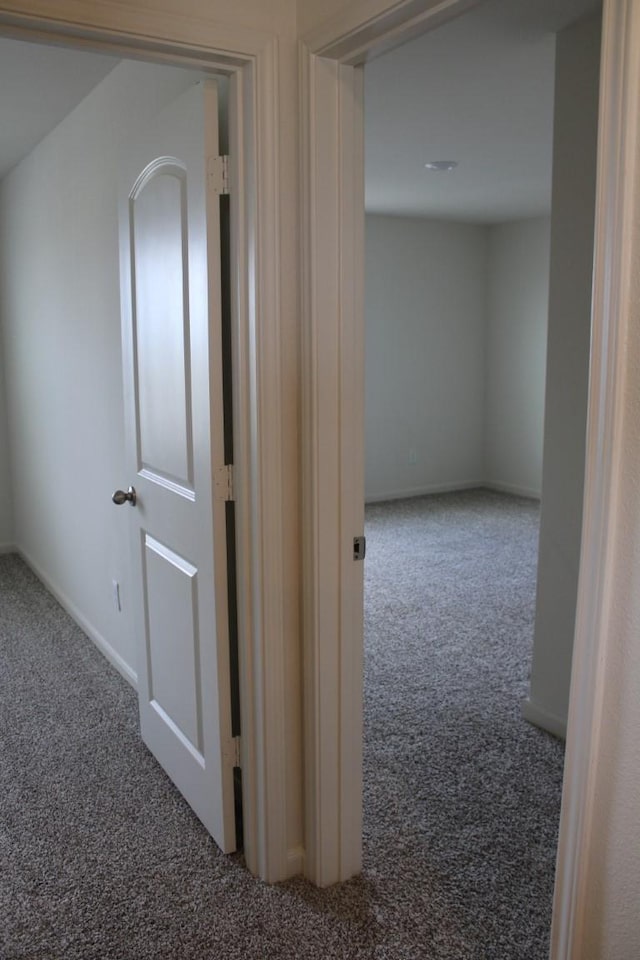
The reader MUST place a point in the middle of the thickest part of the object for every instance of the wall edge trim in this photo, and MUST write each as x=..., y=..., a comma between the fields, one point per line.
x=423, y=490
x=513, y=488
x=103, y=645
x=540, y=717
x=451, y=487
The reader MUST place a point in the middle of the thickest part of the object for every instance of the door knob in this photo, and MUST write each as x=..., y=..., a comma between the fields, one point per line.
x=121, y=497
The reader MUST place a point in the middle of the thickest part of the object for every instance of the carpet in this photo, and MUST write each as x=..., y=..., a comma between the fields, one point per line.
x=101, y=858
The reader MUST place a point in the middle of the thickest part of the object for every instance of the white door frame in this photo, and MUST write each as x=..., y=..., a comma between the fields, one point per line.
x=333, y=409
x=251, y=60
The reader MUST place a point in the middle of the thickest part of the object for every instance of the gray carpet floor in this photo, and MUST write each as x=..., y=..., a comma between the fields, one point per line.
x=101, y=858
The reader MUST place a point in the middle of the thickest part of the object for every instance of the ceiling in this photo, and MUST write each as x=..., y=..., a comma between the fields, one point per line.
x=40, y=85
x=479, y=91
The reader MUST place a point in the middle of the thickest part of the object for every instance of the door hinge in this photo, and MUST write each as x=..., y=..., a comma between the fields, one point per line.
x=218, y=174
x=359, y=548
x=236, y=752
x=223, y=482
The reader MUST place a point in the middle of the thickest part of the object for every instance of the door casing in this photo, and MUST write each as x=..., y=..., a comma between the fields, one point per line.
x=332, y=59
x=252, y=61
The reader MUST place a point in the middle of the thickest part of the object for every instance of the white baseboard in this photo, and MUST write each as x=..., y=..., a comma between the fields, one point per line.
x=423, y=491
x=103, y=645
x=295, y=861
x=513, y=489
x=540, y=717
x=8, y=548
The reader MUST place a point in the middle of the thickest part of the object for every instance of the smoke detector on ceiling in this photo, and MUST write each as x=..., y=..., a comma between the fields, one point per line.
x=441, y=165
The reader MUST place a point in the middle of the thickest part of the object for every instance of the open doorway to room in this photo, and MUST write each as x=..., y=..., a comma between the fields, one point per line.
x=107, y=212
x=477, y=332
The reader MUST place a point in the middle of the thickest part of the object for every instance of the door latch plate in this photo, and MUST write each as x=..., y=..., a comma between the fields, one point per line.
x=359, y=548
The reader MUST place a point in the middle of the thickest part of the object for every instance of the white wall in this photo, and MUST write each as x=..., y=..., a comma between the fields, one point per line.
x=572, y=226
x=60, y=296
x=424, y=368
x=6, y=496
x=517, y=313
x=456, y=319
x=314, y=14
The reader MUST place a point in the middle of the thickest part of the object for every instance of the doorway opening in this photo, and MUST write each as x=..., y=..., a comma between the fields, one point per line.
x=469, y=131
x=67, y=190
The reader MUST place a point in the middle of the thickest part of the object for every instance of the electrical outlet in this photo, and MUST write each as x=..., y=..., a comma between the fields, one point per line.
x=413, y=456
x=116, y=596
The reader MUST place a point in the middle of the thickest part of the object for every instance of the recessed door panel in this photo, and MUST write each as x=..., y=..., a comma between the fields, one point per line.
x=160, y=274
x=172, y=637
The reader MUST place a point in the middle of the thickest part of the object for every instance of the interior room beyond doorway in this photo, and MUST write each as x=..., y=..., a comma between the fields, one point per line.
x=469, y=133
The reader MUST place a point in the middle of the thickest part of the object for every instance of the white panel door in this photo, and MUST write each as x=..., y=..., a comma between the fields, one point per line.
x=170, y=262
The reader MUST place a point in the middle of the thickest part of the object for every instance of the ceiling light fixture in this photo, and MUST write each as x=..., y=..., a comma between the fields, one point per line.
x=441, y=165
